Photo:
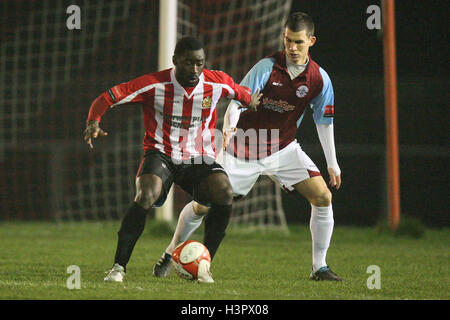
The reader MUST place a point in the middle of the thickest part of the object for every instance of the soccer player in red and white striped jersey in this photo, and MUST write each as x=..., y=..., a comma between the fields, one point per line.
x=179, y=115
x=179, y=108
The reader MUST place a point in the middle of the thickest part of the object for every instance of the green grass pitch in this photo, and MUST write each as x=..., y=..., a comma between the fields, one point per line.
x=34, y=258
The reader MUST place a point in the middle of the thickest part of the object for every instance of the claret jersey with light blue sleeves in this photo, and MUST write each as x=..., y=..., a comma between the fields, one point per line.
x=283, y=104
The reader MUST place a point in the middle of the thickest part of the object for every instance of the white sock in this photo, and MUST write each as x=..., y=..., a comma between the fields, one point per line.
x=188, y=222
x=321, y=226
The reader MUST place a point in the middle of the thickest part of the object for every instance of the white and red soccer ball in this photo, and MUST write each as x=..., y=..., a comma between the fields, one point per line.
x=188, y=256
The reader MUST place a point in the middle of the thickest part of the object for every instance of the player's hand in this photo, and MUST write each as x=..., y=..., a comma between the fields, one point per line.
x=254, y=102
x=226, y=137
x=93, y=131
x=335, y=181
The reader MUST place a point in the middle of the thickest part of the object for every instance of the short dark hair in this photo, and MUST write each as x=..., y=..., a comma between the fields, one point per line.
x=187, y=44
x=299, y=21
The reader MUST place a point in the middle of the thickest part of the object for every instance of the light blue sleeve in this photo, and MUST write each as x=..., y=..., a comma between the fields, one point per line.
x=325, y=98
x=258, y=76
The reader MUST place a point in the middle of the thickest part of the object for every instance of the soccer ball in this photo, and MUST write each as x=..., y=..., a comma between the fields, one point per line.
x=188, y=256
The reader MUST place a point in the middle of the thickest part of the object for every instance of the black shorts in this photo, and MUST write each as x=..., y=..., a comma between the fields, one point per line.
x=186, y=175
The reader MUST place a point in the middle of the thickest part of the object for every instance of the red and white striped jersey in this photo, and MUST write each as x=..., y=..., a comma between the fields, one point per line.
x=180, y=122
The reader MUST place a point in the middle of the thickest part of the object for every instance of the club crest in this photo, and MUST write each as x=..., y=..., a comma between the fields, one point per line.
x=302, y=91
x=207, y=102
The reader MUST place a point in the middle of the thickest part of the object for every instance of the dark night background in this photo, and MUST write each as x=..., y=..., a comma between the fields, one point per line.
x=350, y=53
x=353, y=57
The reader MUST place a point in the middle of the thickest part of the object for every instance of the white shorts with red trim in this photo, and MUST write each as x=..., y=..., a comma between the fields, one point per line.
x=288, y=167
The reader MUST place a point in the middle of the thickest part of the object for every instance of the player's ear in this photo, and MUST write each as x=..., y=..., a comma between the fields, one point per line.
x=174, y=60
x=312, y=40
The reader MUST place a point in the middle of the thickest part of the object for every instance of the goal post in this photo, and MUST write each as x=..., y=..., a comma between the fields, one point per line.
x=167, y=41
x=391, y=119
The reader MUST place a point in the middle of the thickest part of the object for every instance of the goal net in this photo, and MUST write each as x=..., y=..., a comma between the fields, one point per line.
x=237, y=34
x=51, y=74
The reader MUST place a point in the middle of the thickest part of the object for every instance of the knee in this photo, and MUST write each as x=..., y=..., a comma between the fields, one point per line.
x=146, y=197
x=322, y=199
x=222, y=194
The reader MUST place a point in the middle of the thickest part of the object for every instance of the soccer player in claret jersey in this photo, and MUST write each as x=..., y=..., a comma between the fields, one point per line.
x=290, y=82
x=179, y=108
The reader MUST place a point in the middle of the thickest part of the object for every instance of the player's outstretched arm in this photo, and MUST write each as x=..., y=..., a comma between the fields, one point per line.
x=232, y=114
x=112, y=97
x=93, y=131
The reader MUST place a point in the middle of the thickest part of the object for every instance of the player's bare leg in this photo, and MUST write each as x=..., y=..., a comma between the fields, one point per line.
x=317, y=193
x=148, y=190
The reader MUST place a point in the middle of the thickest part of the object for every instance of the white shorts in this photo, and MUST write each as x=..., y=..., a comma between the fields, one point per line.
x=288, y=167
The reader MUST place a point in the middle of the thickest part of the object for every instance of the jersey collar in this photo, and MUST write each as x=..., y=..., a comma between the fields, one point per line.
x=178, y=86
x=280, y=63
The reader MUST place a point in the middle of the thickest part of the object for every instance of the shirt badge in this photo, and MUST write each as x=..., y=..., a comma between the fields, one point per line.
x=207, y=102
x=302, y=91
